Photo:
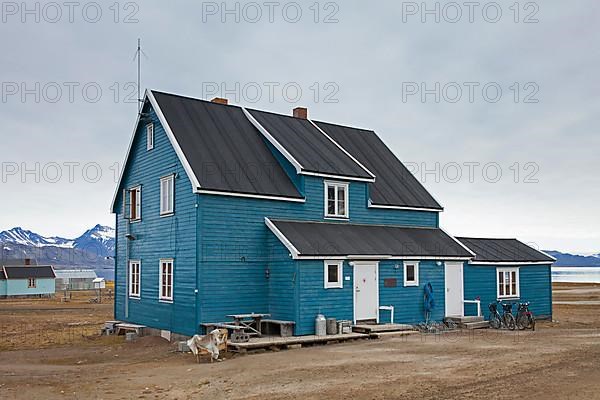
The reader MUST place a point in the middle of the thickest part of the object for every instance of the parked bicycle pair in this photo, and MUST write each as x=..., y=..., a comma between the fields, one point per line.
x=524, y=319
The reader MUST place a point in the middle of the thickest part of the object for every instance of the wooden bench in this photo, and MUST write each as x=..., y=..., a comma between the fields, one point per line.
x=285, y=328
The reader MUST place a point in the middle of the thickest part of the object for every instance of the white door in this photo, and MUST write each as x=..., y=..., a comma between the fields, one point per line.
x=366, y=291
x=454, y=289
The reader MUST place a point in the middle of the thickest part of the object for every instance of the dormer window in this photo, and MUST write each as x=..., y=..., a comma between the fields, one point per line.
x=150, y=136
x=336, y=199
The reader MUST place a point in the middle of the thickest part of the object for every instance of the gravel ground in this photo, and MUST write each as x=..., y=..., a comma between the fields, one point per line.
x=559, y=360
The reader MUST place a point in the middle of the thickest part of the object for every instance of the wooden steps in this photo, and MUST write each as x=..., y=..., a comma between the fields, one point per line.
x=469, y=322
x=371, y=329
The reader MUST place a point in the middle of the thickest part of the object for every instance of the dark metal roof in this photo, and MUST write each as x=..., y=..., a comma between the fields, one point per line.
x=340, y=239
x=503, y=250
x=17, y=261
x=313, y=150
x=2, y=275
x=225, y=151
x=28, y=271
x=395, y=185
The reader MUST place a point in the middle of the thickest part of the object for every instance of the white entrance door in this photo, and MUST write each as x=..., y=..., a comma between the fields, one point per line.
x=454, y=289
x=366, y=291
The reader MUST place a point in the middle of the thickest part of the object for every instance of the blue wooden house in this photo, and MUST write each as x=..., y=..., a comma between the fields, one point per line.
x=25, y=279
x=225, y=210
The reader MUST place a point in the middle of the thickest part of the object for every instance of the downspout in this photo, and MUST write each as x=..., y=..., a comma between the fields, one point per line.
x=196, y=267
x=115, y=261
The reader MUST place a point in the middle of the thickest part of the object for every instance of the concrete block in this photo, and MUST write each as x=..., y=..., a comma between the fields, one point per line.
x=183, y=347
x=130, y=336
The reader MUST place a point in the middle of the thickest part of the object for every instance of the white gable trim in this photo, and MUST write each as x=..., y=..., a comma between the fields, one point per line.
x=174, y=143
x=273, y=141
x=341, y=148
x=293, y=251
x=459, y=242
x=186, y=165
x=299, y=168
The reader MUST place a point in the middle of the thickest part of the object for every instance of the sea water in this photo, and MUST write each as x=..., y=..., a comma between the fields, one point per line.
x=576, y=274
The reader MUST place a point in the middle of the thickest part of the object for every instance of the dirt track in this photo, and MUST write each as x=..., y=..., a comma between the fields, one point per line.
x=559, y=360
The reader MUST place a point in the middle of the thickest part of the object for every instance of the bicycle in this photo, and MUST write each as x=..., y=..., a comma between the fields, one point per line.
x=494, y=318
x=525, y=318
x=508, y=319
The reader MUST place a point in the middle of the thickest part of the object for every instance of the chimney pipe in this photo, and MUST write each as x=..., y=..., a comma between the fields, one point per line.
x=301, y=112
x=220, y=100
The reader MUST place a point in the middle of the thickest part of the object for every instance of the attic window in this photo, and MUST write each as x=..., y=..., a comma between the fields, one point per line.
x=150, y=136
x=31, y=283
x=336, y=199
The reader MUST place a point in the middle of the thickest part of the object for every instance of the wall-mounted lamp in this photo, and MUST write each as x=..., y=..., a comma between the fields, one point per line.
x=267, y=273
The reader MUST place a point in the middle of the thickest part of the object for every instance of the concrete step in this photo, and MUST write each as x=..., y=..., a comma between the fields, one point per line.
x=464, y=320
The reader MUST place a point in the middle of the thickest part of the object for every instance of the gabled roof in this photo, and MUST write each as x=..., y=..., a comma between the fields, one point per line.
x=224, y=151
x=395, y=185
x=327, y=240
x=504, y=251
x=311, y=150
x=75, y=274
x=28, y=271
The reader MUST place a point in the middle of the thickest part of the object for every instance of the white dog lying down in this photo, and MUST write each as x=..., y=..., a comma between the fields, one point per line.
x=209, y=343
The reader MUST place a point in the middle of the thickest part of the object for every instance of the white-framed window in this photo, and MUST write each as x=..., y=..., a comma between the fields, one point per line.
x=135, y=203
x=165, y=285
x=167, y=194
x=336, y=199
x=150, y=136
x=333, y=274
x=411, y=273
x=31, y=283
x=135, y=274
x=507, y=282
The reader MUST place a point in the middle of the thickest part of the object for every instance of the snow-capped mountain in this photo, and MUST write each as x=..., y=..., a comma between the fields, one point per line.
x=99, y=237
x=99, y=240
x=25, y=237
x=574, y=260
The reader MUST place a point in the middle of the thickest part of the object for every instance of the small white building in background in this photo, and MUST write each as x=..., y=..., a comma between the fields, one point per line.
x=75, y=279
x=99, y=283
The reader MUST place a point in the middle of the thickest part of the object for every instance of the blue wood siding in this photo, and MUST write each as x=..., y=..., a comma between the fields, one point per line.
x=315, y=299
x=283, y=282
x=2, y=287
x=408, y=301
x=534, y=283
x=158, y=237
x=18, y=287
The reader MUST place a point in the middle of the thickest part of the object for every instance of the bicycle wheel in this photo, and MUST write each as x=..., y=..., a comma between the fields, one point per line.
x=494, y=321
x=522, y=321
x=509, y=321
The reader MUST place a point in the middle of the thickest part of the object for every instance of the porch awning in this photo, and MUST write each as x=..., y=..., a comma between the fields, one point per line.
x=320, y=240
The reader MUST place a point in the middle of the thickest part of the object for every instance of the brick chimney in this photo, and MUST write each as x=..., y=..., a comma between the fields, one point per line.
x=220, y=100
x=301, y=112
x=28, y=261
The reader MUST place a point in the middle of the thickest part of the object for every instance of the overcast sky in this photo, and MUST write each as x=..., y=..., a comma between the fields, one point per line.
x=427, y=82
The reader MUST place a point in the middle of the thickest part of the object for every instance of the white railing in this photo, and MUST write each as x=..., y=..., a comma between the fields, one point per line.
x=478, y=302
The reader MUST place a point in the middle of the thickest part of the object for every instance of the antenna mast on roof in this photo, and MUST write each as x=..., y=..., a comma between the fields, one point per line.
x=138, y=55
